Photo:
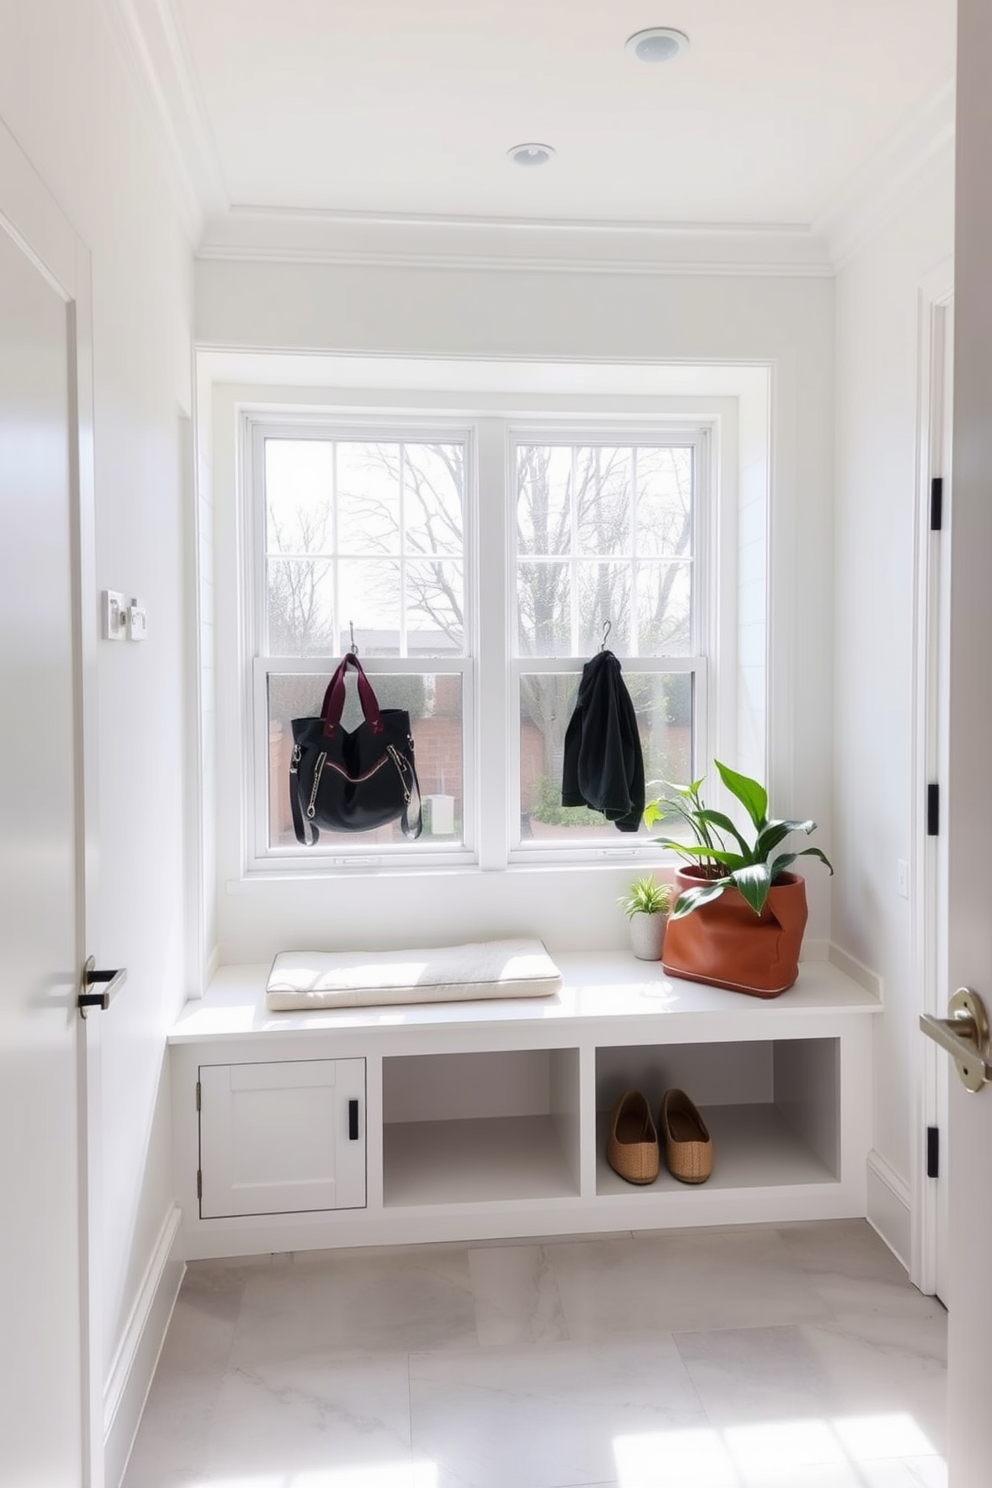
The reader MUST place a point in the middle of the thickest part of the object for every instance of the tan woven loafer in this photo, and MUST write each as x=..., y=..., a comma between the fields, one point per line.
x=632, y=1144
x=688, y=1144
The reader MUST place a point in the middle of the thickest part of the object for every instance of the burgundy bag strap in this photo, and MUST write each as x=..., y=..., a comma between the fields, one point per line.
x=333, y=704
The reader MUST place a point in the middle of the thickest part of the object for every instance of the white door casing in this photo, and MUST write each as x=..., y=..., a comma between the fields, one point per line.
x=969, y=805
x=50, y=1420
x=929, y=920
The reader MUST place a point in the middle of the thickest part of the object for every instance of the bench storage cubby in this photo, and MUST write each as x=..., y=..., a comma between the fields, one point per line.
x=458, y=1121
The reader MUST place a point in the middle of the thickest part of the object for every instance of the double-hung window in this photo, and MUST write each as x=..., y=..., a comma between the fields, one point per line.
x=364, y=534
x=360, y=539
x=607, y=540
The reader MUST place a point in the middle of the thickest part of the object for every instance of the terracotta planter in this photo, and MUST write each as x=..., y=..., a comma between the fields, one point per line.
x=726, y=944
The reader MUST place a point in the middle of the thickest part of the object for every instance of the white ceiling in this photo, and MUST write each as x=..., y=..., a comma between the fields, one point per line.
x=389, y=107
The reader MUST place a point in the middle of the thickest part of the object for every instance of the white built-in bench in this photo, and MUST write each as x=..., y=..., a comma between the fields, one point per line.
x=457, y=1121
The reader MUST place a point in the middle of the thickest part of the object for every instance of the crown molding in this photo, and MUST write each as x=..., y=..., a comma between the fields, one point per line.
x=384, y=240
x=885, y=181
x=155, y=53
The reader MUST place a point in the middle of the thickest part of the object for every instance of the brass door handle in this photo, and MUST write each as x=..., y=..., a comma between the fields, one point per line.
x=965, y=1036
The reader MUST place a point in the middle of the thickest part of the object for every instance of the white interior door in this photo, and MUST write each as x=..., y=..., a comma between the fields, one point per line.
x=44, y=1414
x=969, y=961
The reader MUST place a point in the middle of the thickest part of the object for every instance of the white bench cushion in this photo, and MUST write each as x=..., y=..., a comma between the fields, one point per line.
x=490, y=968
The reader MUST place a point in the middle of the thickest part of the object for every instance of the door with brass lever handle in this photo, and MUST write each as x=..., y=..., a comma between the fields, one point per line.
x=965, y=1036
x=109, y=984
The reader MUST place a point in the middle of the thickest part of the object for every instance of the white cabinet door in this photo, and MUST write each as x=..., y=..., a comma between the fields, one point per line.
x=282, y=1138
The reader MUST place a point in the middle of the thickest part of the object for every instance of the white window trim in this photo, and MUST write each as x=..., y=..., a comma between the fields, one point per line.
x=737, y=399
x=488, y=613
x=699, y=434
x=255, y=427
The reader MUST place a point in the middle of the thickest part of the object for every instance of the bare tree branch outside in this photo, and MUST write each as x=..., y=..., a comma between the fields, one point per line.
x=372, y=533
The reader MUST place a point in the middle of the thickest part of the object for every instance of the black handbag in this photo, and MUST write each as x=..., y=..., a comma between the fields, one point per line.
x=353, y=782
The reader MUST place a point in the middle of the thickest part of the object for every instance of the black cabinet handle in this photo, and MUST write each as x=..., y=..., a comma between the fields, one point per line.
x=353, y=1121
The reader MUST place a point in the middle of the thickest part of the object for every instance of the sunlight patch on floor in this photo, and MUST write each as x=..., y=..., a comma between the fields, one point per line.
x=772, y=1452
x=369, y=1475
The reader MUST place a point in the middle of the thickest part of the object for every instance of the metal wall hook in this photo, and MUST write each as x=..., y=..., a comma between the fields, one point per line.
x=607, y=627
x=352, y=648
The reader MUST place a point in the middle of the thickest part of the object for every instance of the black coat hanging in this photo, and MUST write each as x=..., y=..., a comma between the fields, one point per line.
x=603, y=764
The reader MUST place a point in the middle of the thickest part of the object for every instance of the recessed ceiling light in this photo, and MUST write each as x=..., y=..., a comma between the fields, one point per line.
x=656, y=44
x=531, y=154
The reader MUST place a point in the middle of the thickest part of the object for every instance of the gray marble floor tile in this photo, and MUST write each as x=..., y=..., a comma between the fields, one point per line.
x=175, y=1427
x=843, y=1247
x=871, y=1298
x=757, y=1374
x=885, y=1378
x=799, y=1454
x=911, y=1472
x=313, y=1416
x=803, y=1359
x=682, y=1282
x=231, y=1271
x=515, y=1293
x=389, y=1302
x=544, y=1416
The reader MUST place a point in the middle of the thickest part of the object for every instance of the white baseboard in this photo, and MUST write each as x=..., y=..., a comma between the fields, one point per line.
x=853, y=968
x=889, y=1207
x=130, y=1376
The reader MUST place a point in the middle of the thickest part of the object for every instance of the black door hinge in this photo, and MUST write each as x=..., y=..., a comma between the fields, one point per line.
x=933, y=810
x=936, y=503
x=933, y=1152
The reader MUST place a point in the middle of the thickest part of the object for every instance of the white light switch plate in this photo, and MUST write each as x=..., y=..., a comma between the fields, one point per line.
x=113, y=615
x=137, y=621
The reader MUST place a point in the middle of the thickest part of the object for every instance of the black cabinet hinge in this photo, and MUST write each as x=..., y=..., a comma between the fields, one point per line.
x=936, y=503
x=199, y=1091
x=199, y=1183
x=933, y=810
x=933, y=1152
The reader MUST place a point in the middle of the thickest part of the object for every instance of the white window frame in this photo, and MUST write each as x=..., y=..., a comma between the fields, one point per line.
x=490, y=709
x=667, y=431
x=256, y=428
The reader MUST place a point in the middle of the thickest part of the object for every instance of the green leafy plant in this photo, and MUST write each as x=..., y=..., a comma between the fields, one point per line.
x=548, y=808
x=719, y=852
x=647, y=896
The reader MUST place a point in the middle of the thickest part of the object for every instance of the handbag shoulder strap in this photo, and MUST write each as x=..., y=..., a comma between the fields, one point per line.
x=412, y=820
x=333, y=705
x=306, y=832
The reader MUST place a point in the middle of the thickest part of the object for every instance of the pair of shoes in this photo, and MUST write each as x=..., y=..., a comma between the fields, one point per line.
x=688, y=1144
x=633, y=1145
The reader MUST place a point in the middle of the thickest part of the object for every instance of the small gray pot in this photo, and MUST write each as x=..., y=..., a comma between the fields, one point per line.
x=647, y=935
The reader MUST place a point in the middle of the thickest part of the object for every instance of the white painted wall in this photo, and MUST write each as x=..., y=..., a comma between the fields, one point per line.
x=65, y=96
x=784, y=321
x=873, y=726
